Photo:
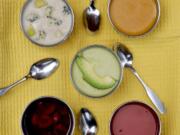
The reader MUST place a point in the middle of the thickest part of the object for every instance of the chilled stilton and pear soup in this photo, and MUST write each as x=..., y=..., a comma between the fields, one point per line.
x=96, y=71
x=47, y=22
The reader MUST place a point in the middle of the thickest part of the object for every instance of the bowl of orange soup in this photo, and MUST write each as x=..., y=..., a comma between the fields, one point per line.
x=134, y=17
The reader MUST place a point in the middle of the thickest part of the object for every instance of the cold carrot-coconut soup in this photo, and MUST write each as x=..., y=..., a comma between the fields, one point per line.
x=47, y=22
x=134, y=17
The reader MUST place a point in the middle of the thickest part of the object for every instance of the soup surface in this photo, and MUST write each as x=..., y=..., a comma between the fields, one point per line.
x=96, y=71
x=47, y=116
x=135, y=118
x=133, y=17
x=47, y=22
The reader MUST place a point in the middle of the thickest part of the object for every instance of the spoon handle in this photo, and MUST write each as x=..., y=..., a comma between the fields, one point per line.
x=6, y=89
x=92, y=3
x=154, y=98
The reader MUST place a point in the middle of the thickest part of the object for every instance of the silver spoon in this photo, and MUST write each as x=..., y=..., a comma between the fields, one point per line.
x=92, y=17
x=39, y=70
x=88, y=124
x=126, y=58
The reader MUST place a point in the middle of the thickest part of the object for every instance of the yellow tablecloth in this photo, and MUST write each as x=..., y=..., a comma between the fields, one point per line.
x=156, y=57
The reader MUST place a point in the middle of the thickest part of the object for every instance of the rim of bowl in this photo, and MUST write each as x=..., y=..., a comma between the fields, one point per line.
x=120, y=66
x=140, y=35
x=50, y=45
x=52, y=97
x=135, y=101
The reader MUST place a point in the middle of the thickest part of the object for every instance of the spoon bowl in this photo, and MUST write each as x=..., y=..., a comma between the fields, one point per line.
x=92, y=17
x=43, y=68
x=124, y=54
x=88, y=124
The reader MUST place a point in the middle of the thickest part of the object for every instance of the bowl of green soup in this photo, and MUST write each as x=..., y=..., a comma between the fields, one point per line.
x=96, y=71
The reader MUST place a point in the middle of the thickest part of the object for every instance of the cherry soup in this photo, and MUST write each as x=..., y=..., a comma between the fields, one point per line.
x=48, y=116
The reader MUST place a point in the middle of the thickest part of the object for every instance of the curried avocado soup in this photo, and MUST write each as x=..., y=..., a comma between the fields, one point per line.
x=96, y=71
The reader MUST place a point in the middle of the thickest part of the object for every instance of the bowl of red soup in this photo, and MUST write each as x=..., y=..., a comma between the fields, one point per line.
x=135, y=118
x=48, y=116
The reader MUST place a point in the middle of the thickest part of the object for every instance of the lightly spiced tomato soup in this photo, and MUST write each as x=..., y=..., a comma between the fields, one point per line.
x=135, y=118
x=48, y=116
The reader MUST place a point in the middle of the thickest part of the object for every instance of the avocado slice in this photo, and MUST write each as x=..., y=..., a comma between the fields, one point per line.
x=91, y=77
x=31, y=31
x=40, y=3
